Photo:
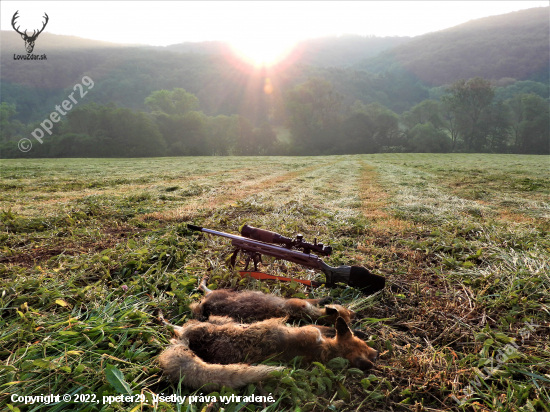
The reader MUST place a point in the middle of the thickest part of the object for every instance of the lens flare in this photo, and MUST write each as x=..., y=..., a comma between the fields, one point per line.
x=268, y=87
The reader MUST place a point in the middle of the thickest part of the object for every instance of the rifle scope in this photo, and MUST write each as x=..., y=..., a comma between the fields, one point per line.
x=268, y=236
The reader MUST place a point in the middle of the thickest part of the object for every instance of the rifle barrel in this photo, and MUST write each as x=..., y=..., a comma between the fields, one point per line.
x=267, y=248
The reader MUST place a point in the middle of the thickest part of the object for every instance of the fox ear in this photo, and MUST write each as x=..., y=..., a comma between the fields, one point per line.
x=342, y=328
x=331, y=310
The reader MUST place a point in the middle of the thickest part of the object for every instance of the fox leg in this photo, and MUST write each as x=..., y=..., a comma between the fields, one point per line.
x=177, y=329
x=318, y=302
x=203, y=286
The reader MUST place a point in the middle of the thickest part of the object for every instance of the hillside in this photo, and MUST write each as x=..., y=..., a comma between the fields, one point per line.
x=47, y=42
x=510, y=45
x=330, y=51
x=203, y=47
x=343, y=51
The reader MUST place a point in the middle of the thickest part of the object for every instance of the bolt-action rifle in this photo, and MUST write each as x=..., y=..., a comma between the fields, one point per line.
x=256, y=242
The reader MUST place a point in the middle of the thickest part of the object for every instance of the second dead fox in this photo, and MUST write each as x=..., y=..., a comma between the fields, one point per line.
x=209, y=355
x=251, y=306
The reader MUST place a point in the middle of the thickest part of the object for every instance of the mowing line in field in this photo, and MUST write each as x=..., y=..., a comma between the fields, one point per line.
x=375, y=201
x=38, y=202
x=512, y=185
x=228, y=196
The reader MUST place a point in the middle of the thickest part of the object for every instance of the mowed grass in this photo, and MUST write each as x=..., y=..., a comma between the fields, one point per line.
x=90, y=249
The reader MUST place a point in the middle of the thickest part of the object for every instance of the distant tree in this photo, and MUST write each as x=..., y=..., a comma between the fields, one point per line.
x=468, y=99
x=449, y=120
x=174, y=102
x=246, y=143
x=425, y=138
x=504, y=82
x=184, y=129
x=77, y=145
x=8, y=127
x=385, y=123
x=522, y=87
x=427, y=111
x=311, y=107
x=400, y=88
x=266, y=138
x=516, y=107
x=222, y=131
x=192, y=137
x=356, y=135
x=530, y=122
x=171, y=126
x=495, y=128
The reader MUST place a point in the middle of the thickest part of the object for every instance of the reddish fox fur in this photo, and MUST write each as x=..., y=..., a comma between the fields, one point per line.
x=211, y=354
x=254, y=306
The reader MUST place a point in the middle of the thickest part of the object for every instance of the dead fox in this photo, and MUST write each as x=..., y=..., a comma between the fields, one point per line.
x=249, y=306
x=211, y=354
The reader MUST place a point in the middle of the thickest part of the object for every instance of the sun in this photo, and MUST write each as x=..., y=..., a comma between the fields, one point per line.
x=261, y=52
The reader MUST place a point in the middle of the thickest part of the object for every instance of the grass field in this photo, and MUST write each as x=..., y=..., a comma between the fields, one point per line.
x=91, y=248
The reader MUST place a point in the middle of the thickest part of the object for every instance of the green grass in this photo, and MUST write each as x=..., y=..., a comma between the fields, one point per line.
x=91, y=248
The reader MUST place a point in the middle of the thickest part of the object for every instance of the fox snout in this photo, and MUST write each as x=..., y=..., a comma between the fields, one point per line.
x=366, y=363
x=363, y=363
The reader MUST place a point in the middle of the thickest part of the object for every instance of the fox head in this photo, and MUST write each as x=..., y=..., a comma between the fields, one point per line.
x=360, y=355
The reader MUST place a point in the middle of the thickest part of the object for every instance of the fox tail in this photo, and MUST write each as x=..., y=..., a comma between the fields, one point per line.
x=180, y=363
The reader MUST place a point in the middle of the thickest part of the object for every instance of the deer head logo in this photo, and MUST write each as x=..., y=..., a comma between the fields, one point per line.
x=29, y=40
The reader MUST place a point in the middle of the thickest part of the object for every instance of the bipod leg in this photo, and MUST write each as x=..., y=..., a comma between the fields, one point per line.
x=233, y=260
x=257, y=258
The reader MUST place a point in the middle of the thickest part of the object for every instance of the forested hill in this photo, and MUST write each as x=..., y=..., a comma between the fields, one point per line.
x=510, y=45
x=344, y=51
x=329, y=51
x=11, y=42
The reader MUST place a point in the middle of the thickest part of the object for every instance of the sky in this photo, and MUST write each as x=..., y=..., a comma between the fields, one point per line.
x=261, y=30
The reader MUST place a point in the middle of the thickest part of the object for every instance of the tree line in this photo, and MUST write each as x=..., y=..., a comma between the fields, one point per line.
x=173, y=128
x=465, y=118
